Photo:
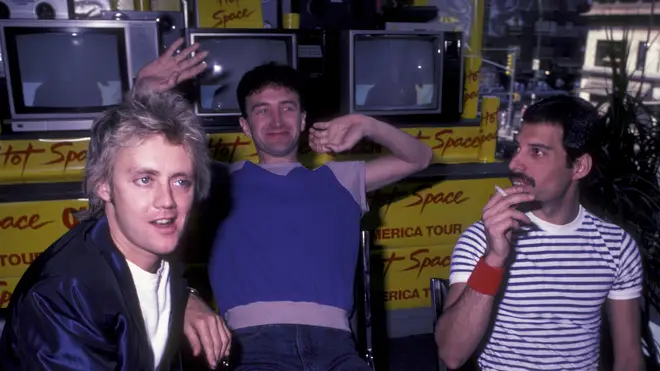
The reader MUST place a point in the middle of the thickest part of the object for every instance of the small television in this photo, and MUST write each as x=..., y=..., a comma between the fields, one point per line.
x=61, y=74
x=407, y=76
x=232, y=53
x=170, y=23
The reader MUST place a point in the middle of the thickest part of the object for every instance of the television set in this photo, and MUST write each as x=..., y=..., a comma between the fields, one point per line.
x=407, y=76
x=232, y=53
x=171, y=24
x=61, y=74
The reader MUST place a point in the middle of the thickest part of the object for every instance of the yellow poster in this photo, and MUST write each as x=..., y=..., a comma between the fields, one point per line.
x=35, y=161
x=419, y=225
x=489, y=125
x=471, y=87
x=406, y=274
x=42, y=160
x=230, y=14
x=450, y=145
x=423, y=213
x=28, y=228
x=231, y=147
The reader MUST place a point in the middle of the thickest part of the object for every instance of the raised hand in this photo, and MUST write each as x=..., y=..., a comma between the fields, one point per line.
x=500, y=218
x=169, y=69
x=337, y=135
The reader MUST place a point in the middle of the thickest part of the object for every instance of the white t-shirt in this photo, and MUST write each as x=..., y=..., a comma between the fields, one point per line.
x=153, y=290
x=550, y=315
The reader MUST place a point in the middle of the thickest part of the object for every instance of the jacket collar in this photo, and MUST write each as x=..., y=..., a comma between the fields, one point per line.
x=100, y=235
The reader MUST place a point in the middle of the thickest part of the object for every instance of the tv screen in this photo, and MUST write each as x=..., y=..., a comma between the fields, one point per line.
x=66, y=70
x=396, y=73
x=230, y=57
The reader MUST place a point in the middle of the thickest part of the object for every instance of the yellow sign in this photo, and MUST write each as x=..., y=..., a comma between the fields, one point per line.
x=489, y=125
x=406, y=274
x=34, y=161
x=42, y=160
x=28, y=228
x=428, y=217
x=230, y=14
x=7, y=287
x=231, y=147
x=471, y=87
x=424, y=214
x=455, y=144
x=450, y=145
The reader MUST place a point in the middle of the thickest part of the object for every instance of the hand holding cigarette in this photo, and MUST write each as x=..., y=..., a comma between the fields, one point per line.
x=500, y=191
x=500, y=218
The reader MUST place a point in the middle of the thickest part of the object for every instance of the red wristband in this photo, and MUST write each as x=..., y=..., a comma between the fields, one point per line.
x=485, y=279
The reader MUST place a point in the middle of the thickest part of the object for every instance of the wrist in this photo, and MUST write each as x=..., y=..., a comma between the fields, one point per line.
x=486, y=279
x=195, y=300
x=368, y=125
x=494, y=260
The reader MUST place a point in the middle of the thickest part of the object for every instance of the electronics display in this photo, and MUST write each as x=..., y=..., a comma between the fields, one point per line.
x=34, y=9
x=402, y=73
x=400, y=76
x=170, y=24
x=61, y=74
x=232, y=53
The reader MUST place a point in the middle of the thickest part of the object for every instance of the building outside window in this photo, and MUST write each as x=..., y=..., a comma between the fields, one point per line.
x=605, y=49
x=641, y=55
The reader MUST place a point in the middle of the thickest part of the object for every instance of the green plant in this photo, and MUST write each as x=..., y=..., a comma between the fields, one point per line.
x=624, y=185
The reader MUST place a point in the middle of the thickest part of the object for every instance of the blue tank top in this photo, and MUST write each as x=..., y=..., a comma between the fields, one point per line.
x=291, y=237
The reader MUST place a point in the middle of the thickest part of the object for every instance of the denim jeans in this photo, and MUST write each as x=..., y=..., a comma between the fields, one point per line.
x=295, y=348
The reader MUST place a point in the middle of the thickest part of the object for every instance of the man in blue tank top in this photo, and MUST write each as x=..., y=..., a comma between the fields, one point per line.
x=283, y=263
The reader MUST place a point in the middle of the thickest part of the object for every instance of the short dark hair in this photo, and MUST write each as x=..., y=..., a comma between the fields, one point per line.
x=271, y=74
x=578, y=118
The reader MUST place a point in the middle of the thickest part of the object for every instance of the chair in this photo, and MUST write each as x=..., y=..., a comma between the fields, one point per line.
x=363, y=294
x=439, y=288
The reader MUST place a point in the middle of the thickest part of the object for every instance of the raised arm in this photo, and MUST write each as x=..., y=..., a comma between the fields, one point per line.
x=170, y=69
x=408, y=155
x=477, y=268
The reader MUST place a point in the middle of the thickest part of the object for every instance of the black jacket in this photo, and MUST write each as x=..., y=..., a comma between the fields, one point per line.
x=76, y=308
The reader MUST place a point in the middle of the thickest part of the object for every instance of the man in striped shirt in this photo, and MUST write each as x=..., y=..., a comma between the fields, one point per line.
x=527, y=288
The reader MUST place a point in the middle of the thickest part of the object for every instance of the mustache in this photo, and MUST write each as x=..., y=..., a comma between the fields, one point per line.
x=522, y=177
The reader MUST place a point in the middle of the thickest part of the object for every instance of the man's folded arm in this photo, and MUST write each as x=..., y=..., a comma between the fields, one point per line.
x=57, y=328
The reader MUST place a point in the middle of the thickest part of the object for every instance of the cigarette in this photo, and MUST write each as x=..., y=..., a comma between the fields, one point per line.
x=501, y=191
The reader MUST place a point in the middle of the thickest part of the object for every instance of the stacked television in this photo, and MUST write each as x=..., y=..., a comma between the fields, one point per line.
x=61, y=74
x=402, y=77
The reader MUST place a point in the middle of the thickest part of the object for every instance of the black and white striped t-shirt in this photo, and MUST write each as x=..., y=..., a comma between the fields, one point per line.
x=550, y=314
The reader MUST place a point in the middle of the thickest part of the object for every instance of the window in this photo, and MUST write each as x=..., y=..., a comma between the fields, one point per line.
x=641, y=55
x=608, y=49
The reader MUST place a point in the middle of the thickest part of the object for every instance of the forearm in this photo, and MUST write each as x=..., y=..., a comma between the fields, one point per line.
x=462, y=327
x=635, y=364
x=402, y=145
x=625, y=327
